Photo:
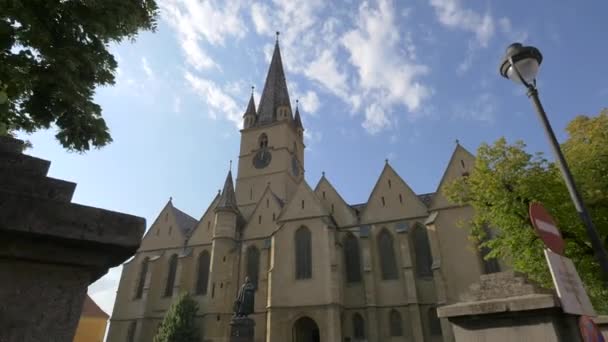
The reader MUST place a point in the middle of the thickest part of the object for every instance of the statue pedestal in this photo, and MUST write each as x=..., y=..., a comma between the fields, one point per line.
x=242, y=329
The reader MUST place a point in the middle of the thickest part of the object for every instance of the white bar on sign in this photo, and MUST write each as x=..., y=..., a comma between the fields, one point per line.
x=547, y=227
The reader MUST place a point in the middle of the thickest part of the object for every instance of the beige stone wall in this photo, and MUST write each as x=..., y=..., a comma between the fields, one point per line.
x=270, y=224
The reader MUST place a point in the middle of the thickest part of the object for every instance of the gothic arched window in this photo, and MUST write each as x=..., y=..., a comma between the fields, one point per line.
x=424, y=260
x=303, y=253
x=253, y=265
x=358, y=326
x=395, y=325
x=263, y=141
x=143, y=271
x=388, y=263
x=131, y=331
x=172, y=271
x=352, y=259
x=203, y=273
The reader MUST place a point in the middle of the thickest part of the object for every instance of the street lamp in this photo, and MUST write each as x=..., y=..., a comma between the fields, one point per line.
x=521, y=64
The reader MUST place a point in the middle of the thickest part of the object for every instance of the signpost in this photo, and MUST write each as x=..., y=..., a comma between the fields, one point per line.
x=568, y=284
x=546, y=228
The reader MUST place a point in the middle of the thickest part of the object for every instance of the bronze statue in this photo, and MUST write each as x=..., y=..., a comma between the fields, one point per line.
x=244, y=303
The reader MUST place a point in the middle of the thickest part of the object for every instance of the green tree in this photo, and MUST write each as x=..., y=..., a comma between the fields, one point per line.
x=506, y=179
x=179, y=323
x=54, y=53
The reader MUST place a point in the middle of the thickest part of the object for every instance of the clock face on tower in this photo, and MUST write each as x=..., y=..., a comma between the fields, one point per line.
x=262, y=158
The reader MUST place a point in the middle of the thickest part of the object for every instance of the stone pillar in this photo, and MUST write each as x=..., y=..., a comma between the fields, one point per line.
x=242, y=329
x=51, y=249
x=506, y=307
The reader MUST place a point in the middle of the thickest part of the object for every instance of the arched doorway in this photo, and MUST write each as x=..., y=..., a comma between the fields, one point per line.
x=305, y=330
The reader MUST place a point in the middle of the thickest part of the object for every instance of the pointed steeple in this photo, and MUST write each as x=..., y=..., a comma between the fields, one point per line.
x=275, y=93
x=251, y=106
x=227, y=198
x=297, y=120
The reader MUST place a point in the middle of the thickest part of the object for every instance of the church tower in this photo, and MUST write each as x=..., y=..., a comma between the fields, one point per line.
x=272, y=143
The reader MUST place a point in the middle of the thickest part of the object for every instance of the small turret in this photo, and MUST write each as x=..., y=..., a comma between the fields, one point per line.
x=297, y=121
x=250, y=117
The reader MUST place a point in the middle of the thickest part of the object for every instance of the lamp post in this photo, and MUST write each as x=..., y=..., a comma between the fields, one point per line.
x=521, y=64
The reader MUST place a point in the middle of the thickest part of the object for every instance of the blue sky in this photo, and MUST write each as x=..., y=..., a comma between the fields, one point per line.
x=377, y=79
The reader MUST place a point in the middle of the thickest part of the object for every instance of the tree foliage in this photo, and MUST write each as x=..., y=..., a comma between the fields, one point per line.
x=179, y=324
x=54, y=53
x=506, y=179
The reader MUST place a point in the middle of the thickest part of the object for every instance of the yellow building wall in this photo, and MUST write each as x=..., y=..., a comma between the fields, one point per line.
x=91, y=329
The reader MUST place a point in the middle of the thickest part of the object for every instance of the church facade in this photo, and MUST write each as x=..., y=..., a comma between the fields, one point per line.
x=323, y=269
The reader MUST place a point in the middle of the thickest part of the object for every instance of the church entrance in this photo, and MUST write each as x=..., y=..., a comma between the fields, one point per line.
x=305, y=330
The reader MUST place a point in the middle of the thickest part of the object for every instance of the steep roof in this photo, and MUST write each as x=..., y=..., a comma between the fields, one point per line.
x=185, y=222
x=297, y=120
x=227, y=198
x=91, y=309
x=250, y=107
x=275, y=92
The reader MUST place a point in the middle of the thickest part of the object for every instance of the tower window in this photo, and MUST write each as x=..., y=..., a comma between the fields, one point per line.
x=400, y=199
x=462, y=163
x=263, y=140
x=251, y=193
x=323, y=194
x=170, y=229
x=302, y=204
x=273, y=216
x=267, y=203
x=389, y=183
x=332, y=208
x=383, y=202
x=260, y=219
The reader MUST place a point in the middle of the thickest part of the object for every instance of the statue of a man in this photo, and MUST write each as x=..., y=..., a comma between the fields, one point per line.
x=244, y=303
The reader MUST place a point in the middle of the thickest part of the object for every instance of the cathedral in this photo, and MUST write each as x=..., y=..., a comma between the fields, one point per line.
x=323, y=269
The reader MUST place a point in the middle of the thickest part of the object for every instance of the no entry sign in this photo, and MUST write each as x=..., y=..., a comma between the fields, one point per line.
x=546, y=228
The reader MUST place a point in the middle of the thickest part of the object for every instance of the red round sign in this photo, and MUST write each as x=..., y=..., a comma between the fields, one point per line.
x=589, y=330
x=546, y=228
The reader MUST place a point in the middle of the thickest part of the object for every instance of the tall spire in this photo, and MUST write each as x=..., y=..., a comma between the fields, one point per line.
x=275, y=93
x=227, y=198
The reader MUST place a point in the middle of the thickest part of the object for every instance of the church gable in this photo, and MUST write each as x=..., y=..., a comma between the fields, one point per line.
x=262, y=221
x=303, y=204
x=461, y=164
x=334, y=204
x=168, y=230
x=204, y=229
x=392, y=199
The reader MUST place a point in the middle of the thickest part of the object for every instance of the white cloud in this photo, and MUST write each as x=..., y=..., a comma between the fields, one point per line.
x=324, y=70
x=260, y=15
x=451, y=14
x=387, y=74
x=375, y=119
x=203, y=21
x=146, y=67
x=216, y=98
x=310, y=102
x=483, y=109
